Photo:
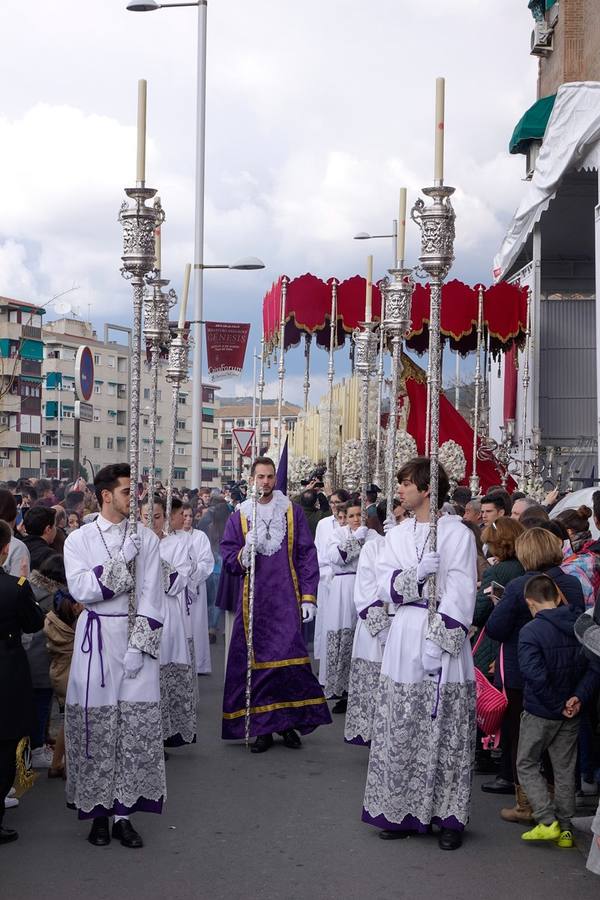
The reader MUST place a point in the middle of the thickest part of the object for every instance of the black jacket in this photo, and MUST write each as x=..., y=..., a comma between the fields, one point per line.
x=552, y=664
x=18, y=613
x=512, y=613
x=39, y=550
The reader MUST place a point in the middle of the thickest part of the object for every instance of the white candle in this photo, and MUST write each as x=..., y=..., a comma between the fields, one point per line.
x=369, y=290
x=184, y=296
x=141, y=131
x=438, y=168
x=401, y=226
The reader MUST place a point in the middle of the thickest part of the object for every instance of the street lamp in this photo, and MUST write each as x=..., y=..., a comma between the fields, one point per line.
x=246, y=264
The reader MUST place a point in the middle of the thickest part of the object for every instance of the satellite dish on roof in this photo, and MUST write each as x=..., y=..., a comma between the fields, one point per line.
x=63, y=307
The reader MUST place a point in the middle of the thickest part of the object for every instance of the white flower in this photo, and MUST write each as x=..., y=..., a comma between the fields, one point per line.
x=406, y=448
x=452, y=458
x=299, y=469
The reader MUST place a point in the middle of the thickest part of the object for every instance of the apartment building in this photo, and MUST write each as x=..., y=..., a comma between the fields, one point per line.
x=236, y=412
x=21, y=354
x=106, y=439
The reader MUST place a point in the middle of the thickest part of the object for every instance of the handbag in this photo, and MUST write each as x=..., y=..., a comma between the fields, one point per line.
x=490, y=704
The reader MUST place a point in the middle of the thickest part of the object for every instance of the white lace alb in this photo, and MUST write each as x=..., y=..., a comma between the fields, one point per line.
x=271, y=524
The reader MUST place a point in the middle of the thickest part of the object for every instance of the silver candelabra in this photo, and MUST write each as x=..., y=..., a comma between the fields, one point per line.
x=177, y=374
x=139, y=222
x=436, y=222
x=365, y=343
x=398, y=292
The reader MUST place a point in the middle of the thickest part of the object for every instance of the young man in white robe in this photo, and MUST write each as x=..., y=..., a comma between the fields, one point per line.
x=323, y=534
x=114, y=750
x=423, y=741
x=339, y=618
x=177, y=675
x=201, y=552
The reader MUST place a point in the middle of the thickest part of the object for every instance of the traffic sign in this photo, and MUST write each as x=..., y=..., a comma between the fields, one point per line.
x=84, y=411
x=243, y=438
x=84, y=373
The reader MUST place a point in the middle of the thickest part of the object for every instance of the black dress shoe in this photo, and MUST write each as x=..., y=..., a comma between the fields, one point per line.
x=262, y=743
x=388, y=835
x=7, y=835
x=341, y=706
x=291, y=739
x=99, y=835
x=449, y=839
x=124, y=831
x=498, y=786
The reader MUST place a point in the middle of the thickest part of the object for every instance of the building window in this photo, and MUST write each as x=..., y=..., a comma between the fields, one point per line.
x=179, y=474
x=111, y=389
x=146, y=393
x=121, y=417
x=96, y=414
x=13, y=316
x=121, y=392
x=110, y=443
x=145, y=421
x=180, y=424
x=208, y=395
x=96, y=443
x=180, y=451
x=111, y=362
x=121, y=444
x=97, y=359
x=158, y=421
x=97, y=388
x=122, y=364
x=182, y=399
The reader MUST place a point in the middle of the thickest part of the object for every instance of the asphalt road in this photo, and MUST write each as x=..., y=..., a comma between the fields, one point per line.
x=283, y=825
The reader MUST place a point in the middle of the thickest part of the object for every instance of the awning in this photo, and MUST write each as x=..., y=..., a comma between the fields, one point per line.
x=30, y=349
x=571, y=142
x=539, y=7
x=532, y=125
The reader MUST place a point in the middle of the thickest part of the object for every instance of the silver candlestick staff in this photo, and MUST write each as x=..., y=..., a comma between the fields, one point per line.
x=281, y=368
x=474, y=479
x=331, y=372
x=377, y=477
x=437, y=255
x=398, y=303
x=365, y=343
x=177, y=374
x=139, y=223
x=157, y=304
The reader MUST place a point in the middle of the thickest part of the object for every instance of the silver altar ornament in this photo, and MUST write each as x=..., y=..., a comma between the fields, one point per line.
x=398, y=292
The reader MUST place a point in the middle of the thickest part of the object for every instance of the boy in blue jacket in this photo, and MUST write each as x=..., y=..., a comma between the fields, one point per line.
x=557, y=682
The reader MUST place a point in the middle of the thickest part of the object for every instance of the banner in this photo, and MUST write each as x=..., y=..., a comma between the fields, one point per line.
x=226, y=348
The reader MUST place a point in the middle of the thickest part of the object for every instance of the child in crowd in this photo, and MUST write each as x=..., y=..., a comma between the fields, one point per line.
x=557, y=683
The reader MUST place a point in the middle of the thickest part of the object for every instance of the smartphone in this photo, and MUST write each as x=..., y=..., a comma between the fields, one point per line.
x=18, y=499
x=497, y=590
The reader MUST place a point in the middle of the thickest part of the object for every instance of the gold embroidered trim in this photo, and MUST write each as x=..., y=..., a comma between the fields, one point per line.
x=295, y=704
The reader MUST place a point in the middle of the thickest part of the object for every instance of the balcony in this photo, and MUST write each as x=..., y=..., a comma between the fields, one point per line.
x=30, y=331
x=30, y=439
x=9, y=438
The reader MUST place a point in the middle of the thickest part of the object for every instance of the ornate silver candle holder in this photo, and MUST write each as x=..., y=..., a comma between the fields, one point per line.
x=177, y=374
x=437, y=255
x=398, y=292
x=365, y=361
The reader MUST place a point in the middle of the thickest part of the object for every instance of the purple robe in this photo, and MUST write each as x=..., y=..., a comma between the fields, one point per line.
x=285, y=693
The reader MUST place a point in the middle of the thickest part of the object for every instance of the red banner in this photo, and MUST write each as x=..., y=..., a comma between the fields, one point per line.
x=226, y=348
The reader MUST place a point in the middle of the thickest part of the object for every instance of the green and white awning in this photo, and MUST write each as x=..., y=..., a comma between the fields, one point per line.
x=532, y=125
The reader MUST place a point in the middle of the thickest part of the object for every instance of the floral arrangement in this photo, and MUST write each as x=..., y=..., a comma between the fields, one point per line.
x=452, y=458
x=336, y=421
x=406, y=448
x=299, y=469
x=351, y=465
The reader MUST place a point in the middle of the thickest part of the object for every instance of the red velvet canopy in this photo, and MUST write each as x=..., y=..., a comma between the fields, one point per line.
x=308, y=311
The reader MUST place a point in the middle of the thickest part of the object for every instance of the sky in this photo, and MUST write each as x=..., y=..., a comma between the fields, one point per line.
x=316, y=114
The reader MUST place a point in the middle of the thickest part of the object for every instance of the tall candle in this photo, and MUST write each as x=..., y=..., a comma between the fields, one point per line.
x=401, y=226
x=369, y=290
x=438, y=168
x=141, y=131
x=184, y=296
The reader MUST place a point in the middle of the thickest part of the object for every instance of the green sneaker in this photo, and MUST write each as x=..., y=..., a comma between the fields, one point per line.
x=566, y=840
x=542, y=833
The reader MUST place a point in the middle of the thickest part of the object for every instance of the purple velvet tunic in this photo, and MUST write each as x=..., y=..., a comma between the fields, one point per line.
x=285, y=693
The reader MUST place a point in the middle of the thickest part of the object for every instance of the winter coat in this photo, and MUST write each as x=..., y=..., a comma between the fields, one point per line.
x=18, y=613
x=584, y=563
x=39, y=550
x=552, y=664
x=502, y=573
x=59, y=643
x=512, y=612
x=44, y=590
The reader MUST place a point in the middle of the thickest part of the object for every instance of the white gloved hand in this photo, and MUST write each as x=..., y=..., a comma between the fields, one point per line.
x=361, y=533
x=389, y=523
x=132, y=546
x=383, y=635
x=133, y=662
x=429, y=565
x=309, y=611
x=432, y=659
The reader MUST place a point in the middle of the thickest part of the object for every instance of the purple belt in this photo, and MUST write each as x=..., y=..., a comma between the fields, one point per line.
x=338, y=574
x=87, y=646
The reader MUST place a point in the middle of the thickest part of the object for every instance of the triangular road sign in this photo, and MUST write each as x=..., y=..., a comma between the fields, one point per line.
x=243, y=438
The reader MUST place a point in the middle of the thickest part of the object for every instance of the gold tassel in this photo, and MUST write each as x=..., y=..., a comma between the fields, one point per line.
x=26, y=776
